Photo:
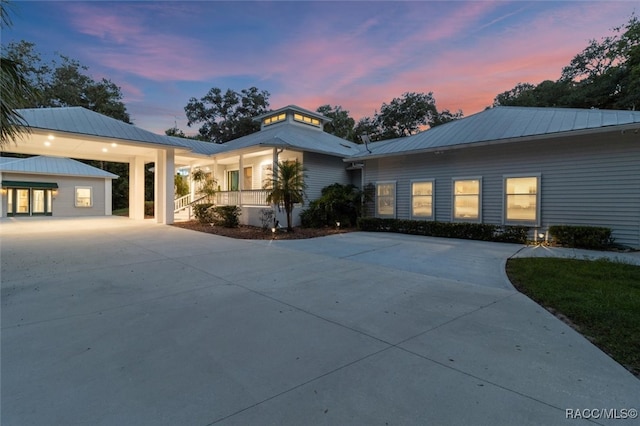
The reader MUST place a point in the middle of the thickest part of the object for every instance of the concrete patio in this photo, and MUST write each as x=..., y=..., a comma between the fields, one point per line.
x=112, y=321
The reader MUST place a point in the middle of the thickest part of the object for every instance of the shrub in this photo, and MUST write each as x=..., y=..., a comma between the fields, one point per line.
x=588, y=237
x=266, y=218
x=202, y=212
x=338, y=203
x=149, y=209
x=468, y=231
x=227, y=216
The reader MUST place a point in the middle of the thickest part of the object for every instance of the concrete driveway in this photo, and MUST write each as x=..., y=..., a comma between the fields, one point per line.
x=116, y=322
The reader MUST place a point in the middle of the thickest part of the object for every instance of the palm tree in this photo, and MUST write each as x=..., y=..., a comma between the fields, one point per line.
x=15, y=90
x=286, y=187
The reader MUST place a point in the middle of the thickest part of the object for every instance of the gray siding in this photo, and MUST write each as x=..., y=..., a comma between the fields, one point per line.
x=589, y=180
x=63, y=203
x=323, y=170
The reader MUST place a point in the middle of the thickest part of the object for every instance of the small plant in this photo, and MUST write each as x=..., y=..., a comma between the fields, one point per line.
x=286, y=188
x=206, y=183
x=180, y=185
x=266, y=218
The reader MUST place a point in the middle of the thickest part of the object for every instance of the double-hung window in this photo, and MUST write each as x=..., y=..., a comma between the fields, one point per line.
x=422, y=193
x=386, y=199
x=521, y=203
x=467, y=199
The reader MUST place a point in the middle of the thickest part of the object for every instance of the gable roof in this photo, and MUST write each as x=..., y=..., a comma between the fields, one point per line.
x=503, y=124
x=86, y=122
x=43, y=165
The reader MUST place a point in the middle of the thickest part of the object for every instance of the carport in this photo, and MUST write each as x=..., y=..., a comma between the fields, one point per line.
x=79, y=133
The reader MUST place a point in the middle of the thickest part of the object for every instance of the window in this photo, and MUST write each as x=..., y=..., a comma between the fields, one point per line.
x=306, y=119
x=247, y=178
x=274, y=119
x=466, y=199
x=422, y=199
x=386, y=199
x=84, y=196
x=233, y=179
x=521, y=199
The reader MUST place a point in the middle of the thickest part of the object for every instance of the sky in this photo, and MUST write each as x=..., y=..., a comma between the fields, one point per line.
x=356, y=54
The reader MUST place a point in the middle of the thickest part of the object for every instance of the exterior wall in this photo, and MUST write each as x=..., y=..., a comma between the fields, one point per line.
x=323, y=170
x=589, y=180
x=63, y=203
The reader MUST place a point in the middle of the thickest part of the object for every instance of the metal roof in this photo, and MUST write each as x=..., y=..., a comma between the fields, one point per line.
x=294, y=136
x=502, y=124
x=197, y=147
x=59, y=166
x=86, y=122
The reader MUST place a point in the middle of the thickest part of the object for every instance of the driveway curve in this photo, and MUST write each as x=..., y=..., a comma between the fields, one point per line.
x=113, y=321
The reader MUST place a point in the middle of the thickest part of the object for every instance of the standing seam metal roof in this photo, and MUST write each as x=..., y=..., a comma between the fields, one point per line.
x=44, y=165
x=503, y=123
x=83, y=121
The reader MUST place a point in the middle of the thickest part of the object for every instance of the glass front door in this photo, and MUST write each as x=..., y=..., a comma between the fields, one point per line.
x=22, y=201
x=38, y=201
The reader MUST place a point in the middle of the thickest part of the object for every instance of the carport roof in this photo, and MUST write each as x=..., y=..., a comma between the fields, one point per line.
x=43, y=165
x=82, y=121
x=503, y=124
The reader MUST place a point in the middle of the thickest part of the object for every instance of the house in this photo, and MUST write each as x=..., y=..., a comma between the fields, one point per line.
x=507, y=165
x=51, y=186
x=515, y=166
x=242, y=166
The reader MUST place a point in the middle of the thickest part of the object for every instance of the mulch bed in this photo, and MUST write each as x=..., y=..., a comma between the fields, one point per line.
x=255, y=233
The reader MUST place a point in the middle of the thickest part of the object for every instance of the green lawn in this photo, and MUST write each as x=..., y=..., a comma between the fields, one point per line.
x=601, y=298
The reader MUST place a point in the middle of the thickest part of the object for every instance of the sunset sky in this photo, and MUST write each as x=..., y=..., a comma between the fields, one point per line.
x=357, y=54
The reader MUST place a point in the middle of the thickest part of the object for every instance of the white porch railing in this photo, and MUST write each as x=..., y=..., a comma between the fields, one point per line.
x=253, y=197
x=181, y=203
x=186, y=201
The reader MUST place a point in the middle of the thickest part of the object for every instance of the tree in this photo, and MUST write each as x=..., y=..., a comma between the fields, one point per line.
x=342, y=125
x=206, y=184
x=367, y=126
x=227, y=116
x=404, y=116
x=286, y=187
x=174, y=131
x=14, y=89
x=65, y=82
x=605, y=74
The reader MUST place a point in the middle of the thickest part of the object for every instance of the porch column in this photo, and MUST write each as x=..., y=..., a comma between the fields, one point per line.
x=164, y=190
x=192, y=184
x=274, y=171
x=136, y=188
x=240, y=179
x=215, y=172
x=4, y=195
x=107, y=197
